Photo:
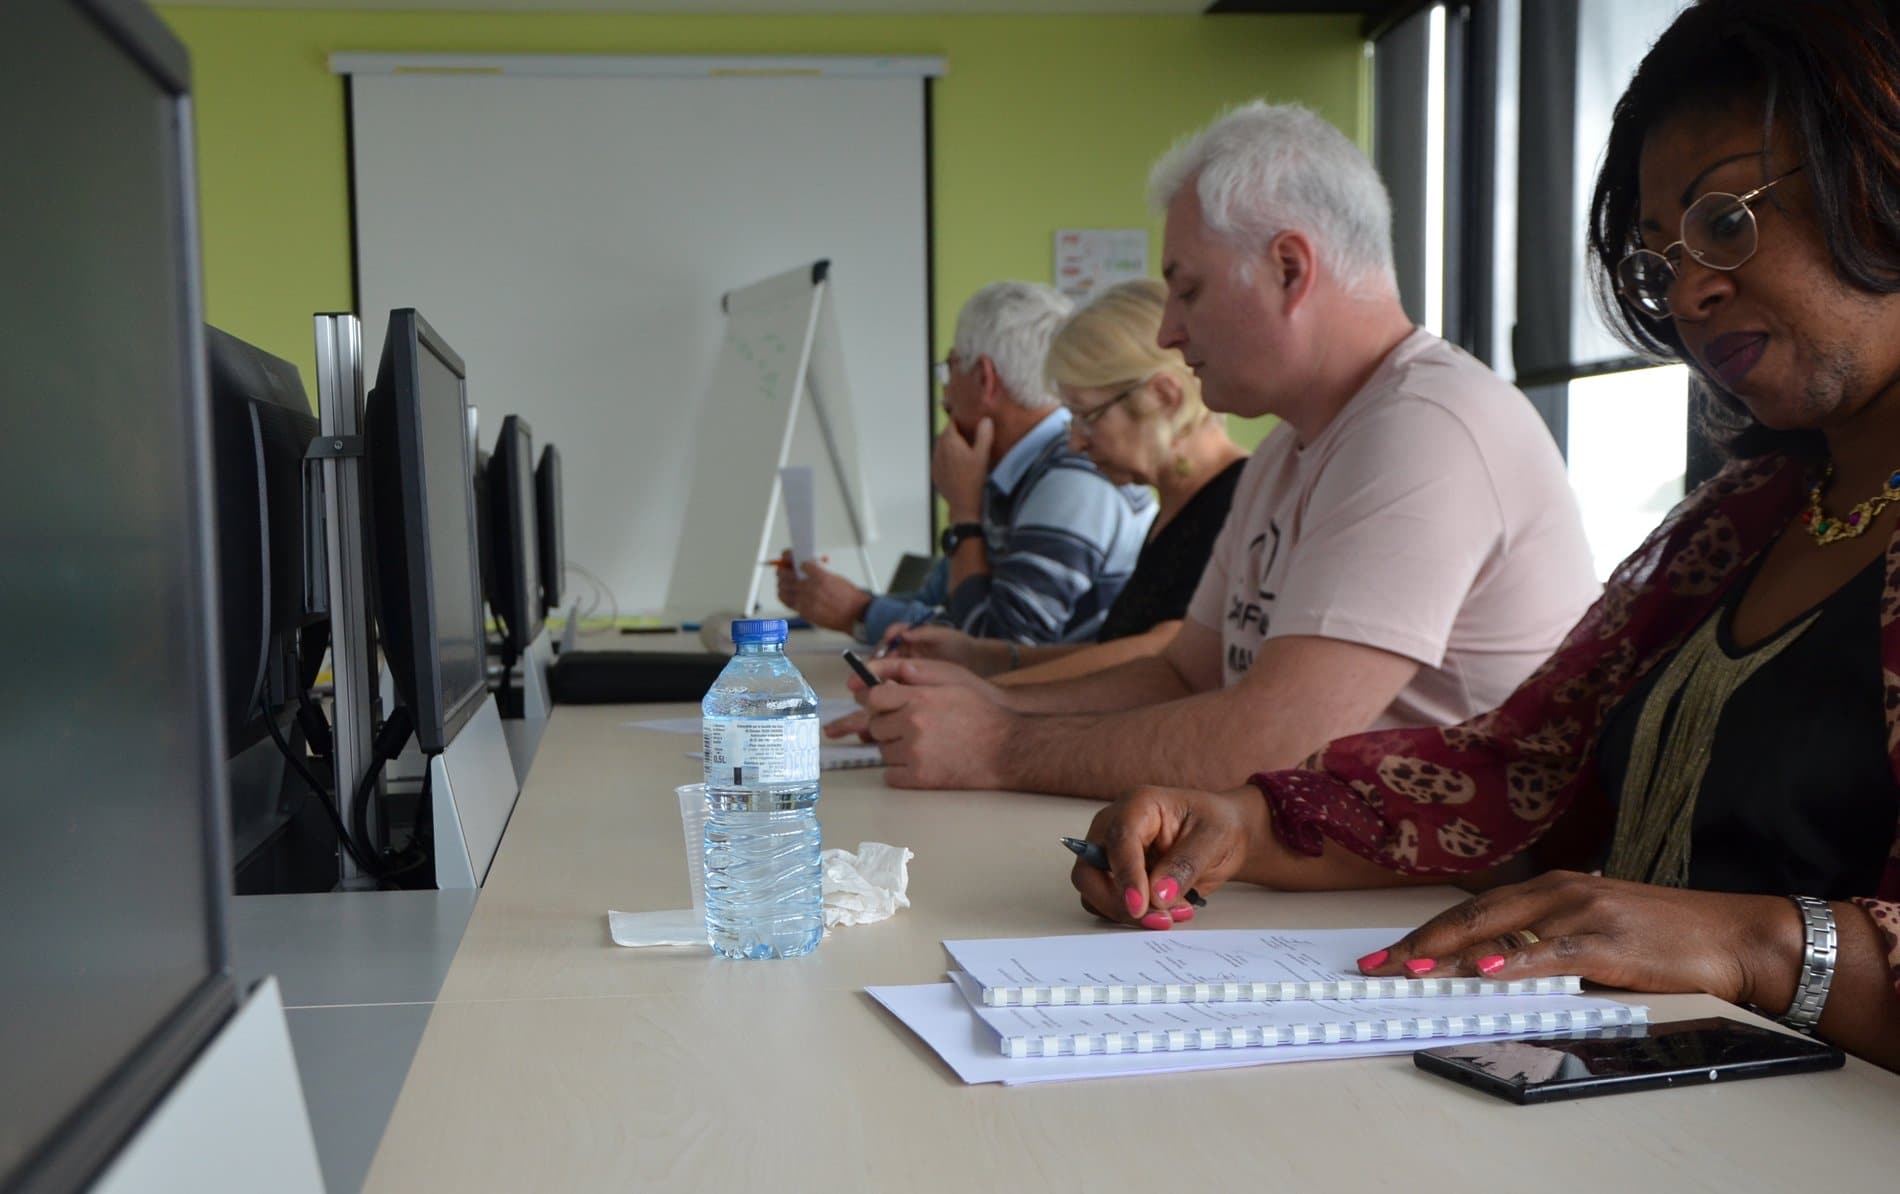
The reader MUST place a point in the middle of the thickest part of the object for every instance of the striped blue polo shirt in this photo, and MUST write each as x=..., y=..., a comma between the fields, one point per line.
x=1062, y=542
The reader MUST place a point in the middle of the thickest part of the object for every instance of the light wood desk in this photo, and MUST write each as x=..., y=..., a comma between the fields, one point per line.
x=556, y=1061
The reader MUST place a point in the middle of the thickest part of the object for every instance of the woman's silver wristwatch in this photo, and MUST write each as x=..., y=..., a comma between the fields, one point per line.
x=1821, y=946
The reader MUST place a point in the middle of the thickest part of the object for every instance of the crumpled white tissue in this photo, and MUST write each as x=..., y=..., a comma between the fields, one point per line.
x=859, y=889
x=867, y=886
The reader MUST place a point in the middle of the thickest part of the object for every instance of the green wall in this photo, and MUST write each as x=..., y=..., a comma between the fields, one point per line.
x=1042, y=122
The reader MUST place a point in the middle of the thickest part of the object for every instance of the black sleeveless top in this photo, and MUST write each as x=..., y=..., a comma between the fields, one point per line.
x=1799, y=796
x=1170, y=565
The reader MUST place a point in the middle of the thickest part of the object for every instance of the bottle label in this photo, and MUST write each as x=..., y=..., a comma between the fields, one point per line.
x=743, y=753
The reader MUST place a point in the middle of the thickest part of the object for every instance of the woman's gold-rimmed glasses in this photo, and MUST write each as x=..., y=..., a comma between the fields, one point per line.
x=1718, y=231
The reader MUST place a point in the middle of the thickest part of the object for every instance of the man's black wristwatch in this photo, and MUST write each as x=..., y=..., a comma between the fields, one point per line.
x=956, y=533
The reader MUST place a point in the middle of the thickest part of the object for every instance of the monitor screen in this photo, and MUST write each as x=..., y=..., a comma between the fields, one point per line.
x=422, y=525
x=112, y=858
x=449, y=485
x=547, y=503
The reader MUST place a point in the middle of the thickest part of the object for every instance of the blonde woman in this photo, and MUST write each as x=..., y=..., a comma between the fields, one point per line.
x=1135, y=409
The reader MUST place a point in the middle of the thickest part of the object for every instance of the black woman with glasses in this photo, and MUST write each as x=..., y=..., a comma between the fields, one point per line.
x=1135, y=408
x=1714, y=749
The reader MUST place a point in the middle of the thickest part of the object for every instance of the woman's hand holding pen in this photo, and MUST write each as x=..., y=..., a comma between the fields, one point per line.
x=1163, y=841
x=982, y=656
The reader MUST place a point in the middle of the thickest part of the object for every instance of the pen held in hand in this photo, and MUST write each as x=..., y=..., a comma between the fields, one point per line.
x=1093, y=854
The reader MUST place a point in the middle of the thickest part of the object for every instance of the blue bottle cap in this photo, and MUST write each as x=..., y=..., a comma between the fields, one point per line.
x=758, y=630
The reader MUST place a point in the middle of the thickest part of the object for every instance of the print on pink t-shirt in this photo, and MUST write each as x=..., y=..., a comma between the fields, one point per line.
x=1431, y=518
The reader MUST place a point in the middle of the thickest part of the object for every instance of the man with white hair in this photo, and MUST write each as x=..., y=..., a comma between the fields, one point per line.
x=1039, y=542
x=1402, y=550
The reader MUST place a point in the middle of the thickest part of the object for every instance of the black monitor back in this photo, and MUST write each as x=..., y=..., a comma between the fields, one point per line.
x=422, y=532
x=113, y=856
x=261, y=425
x=551, y=530
x=484, y=526
x=515, y=577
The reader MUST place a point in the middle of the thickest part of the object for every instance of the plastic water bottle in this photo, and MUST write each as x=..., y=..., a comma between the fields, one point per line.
x=764, y=891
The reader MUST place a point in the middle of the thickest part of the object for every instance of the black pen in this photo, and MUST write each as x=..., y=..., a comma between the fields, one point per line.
x=857, y=665
x=1095, y=856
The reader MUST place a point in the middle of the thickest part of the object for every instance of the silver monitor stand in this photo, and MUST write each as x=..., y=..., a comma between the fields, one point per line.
x=472, y=791
x=235, y=1121
x=345, y=502
x=524, y=732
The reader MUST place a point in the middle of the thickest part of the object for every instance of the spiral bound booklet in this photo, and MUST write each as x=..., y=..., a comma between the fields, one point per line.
x=947, y=1020
x=1077, y=1031
x=1206, y=966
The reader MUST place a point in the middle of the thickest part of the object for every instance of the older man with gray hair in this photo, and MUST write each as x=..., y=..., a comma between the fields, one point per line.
x=1402, y=550
x=1039, y=543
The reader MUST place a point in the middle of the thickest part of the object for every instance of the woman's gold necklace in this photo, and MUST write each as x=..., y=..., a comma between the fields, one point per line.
x=1832, y=530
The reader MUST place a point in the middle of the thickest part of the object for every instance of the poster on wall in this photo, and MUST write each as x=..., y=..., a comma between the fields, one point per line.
x=1088, y=259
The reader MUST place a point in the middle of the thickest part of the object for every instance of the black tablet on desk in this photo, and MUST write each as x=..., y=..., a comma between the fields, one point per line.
x=632, y=677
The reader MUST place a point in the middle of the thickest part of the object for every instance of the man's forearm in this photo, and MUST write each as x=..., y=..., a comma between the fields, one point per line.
x=1150, y=680
x=970, y=559
x=1198, y=742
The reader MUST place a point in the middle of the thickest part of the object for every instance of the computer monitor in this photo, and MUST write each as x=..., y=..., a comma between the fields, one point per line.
x=422, y=530
x=550, y=530
x=484, y=523
x=261, y=426
x=113, y=863
x=515, y=576
x=271, y=602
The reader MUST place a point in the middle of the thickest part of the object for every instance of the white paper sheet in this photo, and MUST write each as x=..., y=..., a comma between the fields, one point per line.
x=795, y=484
x=665, y=725
x=829, y=709
x=671, y=926
x=833, y=756
x=1205, y=966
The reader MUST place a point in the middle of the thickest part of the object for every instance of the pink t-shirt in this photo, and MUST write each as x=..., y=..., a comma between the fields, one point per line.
x=1431, y=518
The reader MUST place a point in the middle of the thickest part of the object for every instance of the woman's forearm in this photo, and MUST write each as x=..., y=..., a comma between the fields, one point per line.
x=1863, y=1012
x=1065, y=661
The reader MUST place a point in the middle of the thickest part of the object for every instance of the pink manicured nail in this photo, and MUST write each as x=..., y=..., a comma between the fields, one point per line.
x=1420, y=965
x=1166, y=892
x=1491, y=965
x=1157, y=920
x=1181, y=912
x=1135, y=903
x=1376, y=958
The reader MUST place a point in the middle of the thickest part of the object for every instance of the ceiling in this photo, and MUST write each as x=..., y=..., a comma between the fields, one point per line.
x=752, y=7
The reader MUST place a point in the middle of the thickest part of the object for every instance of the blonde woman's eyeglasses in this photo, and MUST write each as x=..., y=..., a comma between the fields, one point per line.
x=1093, y=415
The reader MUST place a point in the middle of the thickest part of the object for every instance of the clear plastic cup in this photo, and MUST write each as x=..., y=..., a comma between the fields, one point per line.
x=693, y=826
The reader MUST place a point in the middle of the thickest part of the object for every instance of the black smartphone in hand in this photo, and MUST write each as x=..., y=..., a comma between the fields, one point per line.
x=1602, y=1061
x=857, y=665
